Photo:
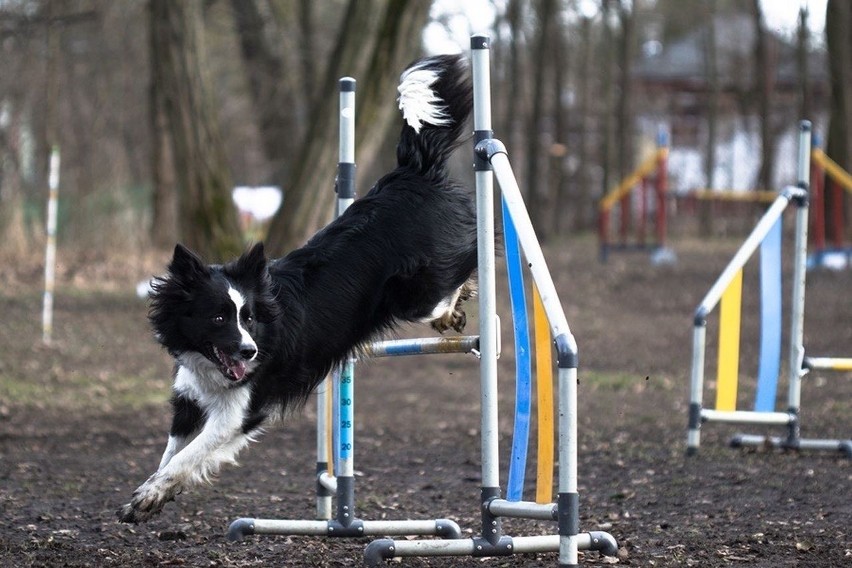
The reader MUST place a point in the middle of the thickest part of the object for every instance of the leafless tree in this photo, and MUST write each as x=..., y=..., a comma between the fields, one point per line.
x=764, y=76
x=208, y=219
x=838, y=33
x=376, y=39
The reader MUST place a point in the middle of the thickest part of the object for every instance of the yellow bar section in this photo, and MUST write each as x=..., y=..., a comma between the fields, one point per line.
x=731, y=195
x=831, y=363
x=631, y=181
x=832, y=168
x=544, y=390
x=729, y=344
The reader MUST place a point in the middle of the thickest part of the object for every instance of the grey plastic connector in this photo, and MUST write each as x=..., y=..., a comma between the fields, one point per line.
x=479, y=41
x=445, y=528
x=481, y=161
x=378, y=551
x=240, y=528
x=604, y=543
x=488, y=147
x=700, y=319
x=567, y=356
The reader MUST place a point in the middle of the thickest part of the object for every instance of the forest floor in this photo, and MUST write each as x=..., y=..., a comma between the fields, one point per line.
x=84, y=421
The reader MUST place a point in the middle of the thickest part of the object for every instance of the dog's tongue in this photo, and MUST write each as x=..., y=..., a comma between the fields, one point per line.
x=238, y=368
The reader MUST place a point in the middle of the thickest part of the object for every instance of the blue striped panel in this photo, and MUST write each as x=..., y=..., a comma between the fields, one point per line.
x=769, y=367
x=523, y=378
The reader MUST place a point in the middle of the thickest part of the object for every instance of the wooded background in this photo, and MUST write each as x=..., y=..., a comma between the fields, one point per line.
x=160, y=108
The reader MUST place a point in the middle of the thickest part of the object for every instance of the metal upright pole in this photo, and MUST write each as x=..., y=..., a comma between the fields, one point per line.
x=797, y=349
x=346, y=392
x=345, y=189
x=491, y=529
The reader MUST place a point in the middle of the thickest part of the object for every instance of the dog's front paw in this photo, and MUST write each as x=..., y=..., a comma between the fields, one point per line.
x=148, y=500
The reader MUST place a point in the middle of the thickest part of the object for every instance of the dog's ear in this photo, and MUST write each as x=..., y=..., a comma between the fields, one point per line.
x=186, y=265
x=252, y=263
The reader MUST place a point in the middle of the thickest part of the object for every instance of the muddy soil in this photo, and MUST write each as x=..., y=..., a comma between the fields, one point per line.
x=84, y=421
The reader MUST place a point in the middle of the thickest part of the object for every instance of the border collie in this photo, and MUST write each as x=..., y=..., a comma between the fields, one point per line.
x=253, y=338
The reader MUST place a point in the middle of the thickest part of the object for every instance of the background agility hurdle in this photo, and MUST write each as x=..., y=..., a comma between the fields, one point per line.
x=727, y=292
x=631, y=203
x=336, y=398
x=828, y=182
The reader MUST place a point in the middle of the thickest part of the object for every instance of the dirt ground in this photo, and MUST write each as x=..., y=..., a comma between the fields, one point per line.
x=84, y=421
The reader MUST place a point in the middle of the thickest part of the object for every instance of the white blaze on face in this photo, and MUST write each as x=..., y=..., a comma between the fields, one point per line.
x=239, y=302
x=418, y=102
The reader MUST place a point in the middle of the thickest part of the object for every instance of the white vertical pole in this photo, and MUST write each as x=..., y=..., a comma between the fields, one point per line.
x=487, y=263
x=345, y=188
x=797, y=349
x=50, y=251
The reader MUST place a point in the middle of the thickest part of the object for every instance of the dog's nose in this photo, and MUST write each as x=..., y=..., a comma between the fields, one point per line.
x=248, y=352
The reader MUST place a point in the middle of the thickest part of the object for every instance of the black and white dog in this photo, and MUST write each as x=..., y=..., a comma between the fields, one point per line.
x=253, y=338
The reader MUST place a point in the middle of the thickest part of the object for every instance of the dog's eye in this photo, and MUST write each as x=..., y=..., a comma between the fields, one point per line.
x=219, y=319
x=249, y=320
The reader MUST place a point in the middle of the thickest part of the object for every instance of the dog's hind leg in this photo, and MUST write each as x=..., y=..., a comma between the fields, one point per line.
x=448, y=314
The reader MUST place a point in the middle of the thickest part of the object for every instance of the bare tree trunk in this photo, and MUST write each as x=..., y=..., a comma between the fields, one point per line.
x=838, y=32
x=398, y=44
x=607, y=120
x=164, y=218
x=308, y=196
x=624, y=126
x=516, y=108
x=12, y=229
x=802, y=40
x=584, y=204
x=272, y=89
x=765, y=71
x=537, y=184
x=705, y=215
x=559, y=55
x=307, y=53
x=207, y=212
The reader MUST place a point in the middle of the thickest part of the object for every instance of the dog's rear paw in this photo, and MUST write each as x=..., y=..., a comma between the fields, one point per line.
x=456, y=320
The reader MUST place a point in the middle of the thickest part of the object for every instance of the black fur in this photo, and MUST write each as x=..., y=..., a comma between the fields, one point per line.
x=391, y=257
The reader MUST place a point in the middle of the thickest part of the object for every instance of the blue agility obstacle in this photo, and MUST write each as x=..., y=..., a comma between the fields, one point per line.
x=769, y=363
x=523, y=363
x=491, y=161
x=726, y=291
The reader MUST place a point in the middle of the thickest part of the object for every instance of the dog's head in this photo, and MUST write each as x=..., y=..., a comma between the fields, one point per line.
x=211, y=317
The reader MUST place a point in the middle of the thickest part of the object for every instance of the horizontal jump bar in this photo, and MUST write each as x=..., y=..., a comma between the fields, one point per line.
x=829, y=363
x=523, y=510
x=423, y=346
x=828, y=445
x=595, y=540
x=747, y=417
x=327, y=528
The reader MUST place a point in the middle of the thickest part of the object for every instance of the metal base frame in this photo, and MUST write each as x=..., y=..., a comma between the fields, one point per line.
x=778, y=443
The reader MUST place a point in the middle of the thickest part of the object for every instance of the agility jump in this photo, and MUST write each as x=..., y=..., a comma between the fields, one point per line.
x=828, y=182
x=727, y=292
x=632, y=198
x=550, y=327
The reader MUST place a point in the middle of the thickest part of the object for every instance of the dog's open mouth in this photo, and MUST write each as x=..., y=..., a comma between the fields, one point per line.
x=232, y=368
